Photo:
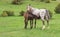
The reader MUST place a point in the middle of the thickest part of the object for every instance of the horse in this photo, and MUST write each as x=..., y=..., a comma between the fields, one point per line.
x=43, y=13
x=28, y=16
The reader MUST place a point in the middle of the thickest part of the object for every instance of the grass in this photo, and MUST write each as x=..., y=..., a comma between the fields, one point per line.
x=14, y=26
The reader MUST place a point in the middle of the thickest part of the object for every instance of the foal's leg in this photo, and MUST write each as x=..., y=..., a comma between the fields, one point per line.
x=26, y=22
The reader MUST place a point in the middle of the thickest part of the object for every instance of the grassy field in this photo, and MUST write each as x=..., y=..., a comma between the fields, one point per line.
x=13, y=26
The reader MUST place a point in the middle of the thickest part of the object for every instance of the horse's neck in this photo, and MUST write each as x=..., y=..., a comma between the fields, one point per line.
x=35, y=11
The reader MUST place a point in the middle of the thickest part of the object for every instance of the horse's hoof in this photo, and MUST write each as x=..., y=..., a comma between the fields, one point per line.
x=43, y=28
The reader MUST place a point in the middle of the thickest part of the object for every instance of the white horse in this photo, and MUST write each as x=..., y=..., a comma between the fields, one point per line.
x=43, y=13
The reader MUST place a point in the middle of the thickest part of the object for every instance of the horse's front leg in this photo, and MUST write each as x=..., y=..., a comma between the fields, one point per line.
x=31, y=24
x=26, y=22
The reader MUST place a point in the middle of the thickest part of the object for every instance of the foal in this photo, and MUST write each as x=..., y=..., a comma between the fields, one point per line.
x=31, y=17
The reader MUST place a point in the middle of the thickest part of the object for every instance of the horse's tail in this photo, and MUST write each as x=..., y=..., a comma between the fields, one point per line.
x=47, y=13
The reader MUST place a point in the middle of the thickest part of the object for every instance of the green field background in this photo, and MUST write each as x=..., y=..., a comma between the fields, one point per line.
x=13, y=26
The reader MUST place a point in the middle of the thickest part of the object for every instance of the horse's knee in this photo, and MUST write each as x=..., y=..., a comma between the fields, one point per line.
x=47, y=18
x=43, y=21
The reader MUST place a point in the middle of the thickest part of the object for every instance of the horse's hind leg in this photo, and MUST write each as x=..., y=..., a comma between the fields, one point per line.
x=43, y=26
x=48, y=24
x=47, y=19
x=26, y=22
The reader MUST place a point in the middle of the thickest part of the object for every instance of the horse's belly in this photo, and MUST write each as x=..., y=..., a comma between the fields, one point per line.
x=36, y=13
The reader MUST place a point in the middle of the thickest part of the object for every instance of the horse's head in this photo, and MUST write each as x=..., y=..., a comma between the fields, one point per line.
x=29, y=8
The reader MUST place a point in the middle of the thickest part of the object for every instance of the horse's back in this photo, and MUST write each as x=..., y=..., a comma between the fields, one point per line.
x=42, y=12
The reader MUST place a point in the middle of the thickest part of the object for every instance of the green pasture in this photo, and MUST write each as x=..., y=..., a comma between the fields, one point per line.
x=13, y=26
